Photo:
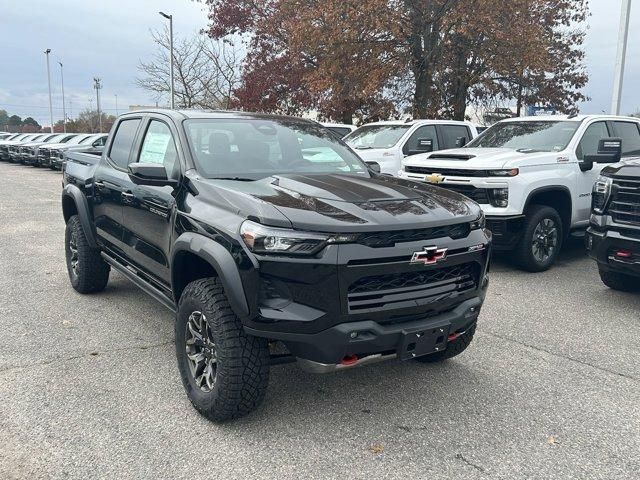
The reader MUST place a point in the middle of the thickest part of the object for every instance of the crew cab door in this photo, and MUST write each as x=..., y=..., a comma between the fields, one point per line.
x=588, y=145
x=148, y=210
x=415, y=143
x=110, y=182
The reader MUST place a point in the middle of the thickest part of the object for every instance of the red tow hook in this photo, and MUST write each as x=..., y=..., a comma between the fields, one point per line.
x=453, y=336
x=624, y=254
x=349, y=360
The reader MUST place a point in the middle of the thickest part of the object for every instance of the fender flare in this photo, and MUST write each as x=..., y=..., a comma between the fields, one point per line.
x=549, y=188
x=82, y=207
x=222, y=262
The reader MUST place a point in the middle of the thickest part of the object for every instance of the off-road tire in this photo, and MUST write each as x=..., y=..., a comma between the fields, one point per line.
x=619, y=281
x=523, y=254
x=92, y=272
x=242, y=365
x=454, y=348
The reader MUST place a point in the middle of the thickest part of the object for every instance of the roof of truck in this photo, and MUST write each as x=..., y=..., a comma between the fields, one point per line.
x=576, y=118
x=178, y=115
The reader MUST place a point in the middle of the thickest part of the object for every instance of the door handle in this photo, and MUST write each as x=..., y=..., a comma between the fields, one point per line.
x=99, y=184
x=128, y=195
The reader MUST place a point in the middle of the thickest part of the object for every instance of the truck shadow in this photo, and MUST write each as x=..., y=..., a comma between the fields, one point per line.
x=573, y=249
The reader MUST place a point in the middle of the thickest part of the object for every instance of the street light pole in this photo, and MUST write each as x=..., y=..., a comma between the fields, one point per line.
x=621, y=56
x=47, y=52
x=170, y=18
x=64, y=109
x=116, y=105
x=98, y=85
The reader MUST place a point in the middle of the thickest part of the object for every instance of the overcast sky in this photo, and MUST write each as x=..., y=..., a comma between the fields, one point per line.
x=108, y=38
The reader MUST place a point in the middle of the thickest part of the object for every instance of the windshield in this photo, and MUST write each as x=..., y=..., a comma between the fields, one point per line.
x=376, y=136
x=530, y=136
x=77, y=139
x=251, y=149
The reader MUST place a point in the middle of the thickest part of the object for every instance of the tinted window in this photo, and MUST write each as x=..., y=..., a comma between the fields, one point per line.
x=630, y=135
x=452, y=133
x=158, y=147
x=254, y=148
x=376, y=136
x=123, y=141
x=589, y=142
x=426, y=132
x=340, y=131
x=528, y=136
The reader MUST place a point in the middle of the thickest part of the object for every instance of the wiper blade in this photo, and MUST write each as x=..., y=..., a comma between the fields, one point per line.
x=238, y=179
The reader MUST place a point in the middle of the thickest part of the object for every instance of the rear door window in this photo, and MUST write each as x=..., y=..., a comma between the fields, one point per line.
x=123, y=141
x=630, y=135
x=451, y=135
x=425, y=132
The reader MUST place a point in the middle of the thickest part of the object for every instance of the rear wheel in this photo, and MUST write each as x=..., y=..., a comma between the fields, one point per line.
x=454, y=348
x=541, y=239
x=224, y=371
x=87, y=270
x=619, y=281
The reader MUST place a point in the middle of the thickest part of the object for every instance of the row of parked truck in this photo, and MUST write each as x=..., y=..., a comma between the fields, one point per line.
x=46, y=149
x=260, y=230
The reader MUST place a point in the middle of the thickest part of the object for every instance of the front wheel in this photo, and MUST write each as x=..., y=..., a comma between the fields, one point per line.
x=541, y=239
x=224, y=371
x=619, y=281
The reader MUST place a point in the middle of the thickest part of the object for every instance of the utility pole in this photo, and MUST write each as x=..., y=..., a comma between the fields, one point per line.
x=64, y=108
x=47, y=52
x=170, y=18
x=117, y=105
x=98, y=85
x=620, y=57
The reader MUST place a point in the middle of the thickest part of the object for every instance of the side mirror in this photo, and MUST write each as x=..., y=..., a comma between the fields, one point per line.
x=609, y=151
x=373, y=166
x=461, y=142
x=152, y=174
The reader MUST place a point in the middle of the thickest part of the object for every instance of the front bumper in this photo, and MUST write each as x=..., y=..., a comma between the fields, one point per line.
x=602, y=246
x=314, y=305
x=368, y=337
x=506, y=231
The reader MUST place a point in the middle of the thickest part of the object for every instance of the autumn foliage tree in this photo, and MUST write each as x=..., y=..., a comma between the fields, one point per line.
x=371, y=59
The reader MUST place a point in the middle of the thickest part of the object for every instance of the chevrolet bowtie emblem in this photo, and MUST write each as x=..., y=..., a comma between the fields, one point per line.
x=434, y=178
x=429, y=255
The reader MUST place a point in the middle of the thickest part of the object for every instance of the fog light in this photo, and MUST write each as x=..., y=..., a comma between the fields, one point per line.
x=499, y=197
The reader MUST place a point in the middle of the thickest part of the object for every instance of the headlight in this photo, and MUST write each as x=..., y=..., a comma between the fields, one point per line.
x=511, y=172
x=600, y=194
x=499, y=197
x=270, y=240
x=479, y=222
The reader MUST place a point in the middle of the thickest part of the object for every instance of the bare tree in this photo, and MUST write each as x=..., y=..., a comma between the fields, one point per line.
x=206, y=72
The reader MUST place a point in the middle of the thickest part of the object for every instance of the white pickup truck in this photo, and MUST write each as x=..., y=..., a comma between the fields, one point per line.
x=532, y=176
x=388, y=143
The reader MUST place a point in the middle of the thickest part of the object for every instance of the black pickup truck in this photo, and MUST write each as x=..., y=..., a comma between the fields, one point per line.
x=261, y=232
x=613, y=237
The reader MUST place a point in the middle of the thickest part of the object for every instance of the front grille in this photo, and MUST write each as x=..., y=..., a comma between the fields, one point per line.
x=410, y=289
x=625, y=201
x=479, y=195
x=390, y=238
x=450, y=172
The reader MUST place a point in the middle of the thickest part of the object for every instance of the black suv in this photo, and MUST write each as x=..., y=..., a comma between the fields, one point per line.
x=613, y=237
x=261, y=231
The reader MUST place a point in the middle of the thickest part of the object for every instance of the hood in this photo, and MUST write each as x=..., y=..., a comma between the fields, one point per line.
x=628, y=167
x=481, y=158
x=53, y=145
x=342, y=203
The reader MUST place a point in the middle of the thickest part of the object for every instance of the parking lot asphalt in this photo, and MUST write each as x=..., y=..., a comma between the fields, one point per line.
x=89, y=388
